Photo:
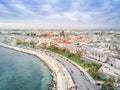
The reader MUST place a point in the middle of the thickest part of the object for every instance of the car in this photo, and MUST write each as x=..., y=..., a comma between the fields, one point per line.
x=86, y=77
x=74, y=65
x=98, y=84
x=71, y=71
x=76, y=88
x=81, y=72
x=74, y=81
x=116, y=73
x=78, y=68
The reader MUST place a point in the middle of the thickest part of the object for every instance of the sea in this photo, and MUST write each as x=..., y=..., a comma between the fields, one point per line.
x=21, y=71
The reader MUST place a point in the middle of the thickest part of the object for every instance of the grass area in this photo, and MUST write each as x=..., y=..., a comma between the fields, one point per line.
x=27, y=44
x=92, y=67
x=80, y=62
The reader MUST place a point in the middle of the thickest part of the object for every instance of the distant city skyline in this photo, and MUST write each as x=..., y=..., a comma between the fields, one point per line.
x=59, y=14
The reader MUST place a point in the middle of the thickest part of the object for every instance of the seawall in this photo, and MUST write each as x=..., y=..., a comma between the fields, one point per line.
x=61, y=77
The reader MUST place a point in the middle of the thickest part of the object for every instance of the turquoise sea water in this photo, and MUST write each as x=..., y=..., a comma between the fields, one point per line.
x=20, y=71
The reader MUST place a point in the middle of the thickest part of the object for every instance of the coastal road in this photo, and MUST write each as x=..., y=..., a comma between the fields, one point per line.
x=78, y=77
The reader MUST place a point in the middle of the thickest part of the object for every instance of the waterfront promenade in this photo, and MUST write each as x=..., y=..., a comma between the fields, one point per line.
x=61, y=77
x=82, y=80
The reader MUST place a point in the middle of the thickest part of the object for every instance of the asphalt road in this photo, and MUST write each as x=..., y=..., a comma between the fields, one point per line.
x=78, y=77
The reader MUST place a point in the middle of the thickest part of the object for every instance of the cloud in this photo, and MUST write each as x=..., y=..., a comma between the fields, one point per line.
x=60, y=13
x=4, y=10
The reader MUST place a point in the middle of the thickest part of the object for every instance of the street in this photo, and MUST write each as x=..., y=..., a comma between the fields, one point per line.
x=80, y=80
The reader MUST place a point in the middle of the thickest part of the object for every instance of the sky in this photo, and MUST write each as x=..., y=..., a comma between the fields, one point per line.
x=60, y=14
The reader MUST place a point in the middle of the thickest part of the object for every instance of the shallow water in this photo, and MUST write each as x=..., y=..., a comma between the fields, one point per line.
x=20, y=71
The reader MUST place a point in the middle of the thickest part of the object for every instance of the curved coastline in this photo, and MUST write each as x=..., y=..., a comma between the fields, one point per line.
x=61, y=77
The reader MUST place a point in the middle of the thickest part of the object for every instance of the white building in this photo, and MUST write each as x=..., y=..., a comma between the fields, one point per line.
x=114, y=60
x=99, y=54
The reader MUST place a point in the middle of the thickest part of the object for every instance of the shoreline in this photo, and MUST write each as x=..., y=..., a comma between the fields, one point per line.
x=61, y=79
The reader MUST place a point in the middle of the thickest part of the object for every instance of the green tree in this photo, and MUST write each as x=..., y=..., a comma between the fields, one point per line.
x=20, y=42
x=93, y=71
x=71, y=55
x=65, y=50
x=53, y=47
x=44, y=44
x=109, y=84
x=78, y=54
x=32, y=44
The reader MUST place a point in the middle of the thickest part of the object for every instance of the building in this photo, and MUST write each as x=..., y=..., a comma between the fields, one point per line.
x=114, y=59
x=99, y=54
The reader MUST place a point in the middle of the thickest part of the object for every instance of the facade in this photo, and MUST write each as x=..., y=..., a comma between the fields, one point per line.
x=98, y=54
x=114, y=60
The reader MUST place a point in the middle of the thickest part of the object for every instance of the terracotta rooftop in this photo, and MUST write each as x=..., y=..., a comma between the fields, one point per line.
x=64, y=42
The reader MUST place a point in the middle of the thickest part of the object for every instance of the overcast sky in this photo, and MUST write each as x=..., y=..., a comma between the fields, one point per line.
x=59, y=14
